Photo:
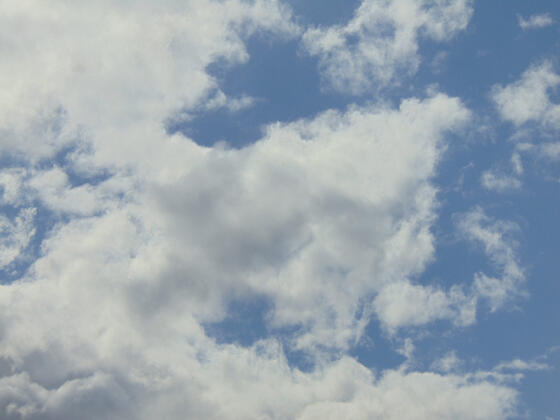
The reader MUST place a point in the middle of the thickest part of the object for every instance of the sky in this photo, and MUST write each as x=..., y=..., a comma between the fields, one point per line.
x=279, y=209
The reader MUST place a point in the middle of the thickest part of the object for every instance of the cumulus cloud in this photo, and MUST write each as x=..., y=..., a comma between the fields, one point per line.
x=528, y=99
x=381, y=41
x=404, y=304
x=537, y=21
x=104, y=68
x=528, y=104
x=318, y=217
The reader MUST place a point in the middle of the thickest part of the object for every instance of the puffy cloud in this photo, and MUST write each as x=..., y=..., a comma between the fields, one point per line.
x=112, y=311
x=242, y=384
x=450, y=397
x=403, y=304
x=535, y=21
x=528, y=104
x=355, y=214
x=381, y=41
x=528, y=99
x=101, y=70
x=160, y=234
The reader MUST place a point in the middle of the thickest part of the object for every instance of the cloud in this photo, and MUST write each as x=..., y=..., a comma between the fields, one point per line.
x=349, y=221
x=551, y=150
x=15, y=235
x=220, y=100
x=103, y=69
x=495, y=181
x=380, y=43
x=11, y=184
x=154, y=235
x=518, y=364
x=535, y=21
x=390, y=402
x=242, y=384
x=527, y=103
x=403, y=304
x=494, y=236
x=528, y=100
x=448, y=363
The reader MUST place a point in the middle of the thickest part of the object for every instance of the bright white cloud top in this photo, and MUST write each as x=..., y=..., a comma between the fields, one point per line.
x=125, y=245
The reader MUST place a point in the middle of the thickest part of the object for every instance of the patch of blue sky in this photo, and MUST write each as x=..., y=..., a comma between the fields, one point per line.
x=44, y=221
x=245, y=322
x=281, y=78
x=377, y=350
x=495, y=50
x=76, y=177
x=323, y=12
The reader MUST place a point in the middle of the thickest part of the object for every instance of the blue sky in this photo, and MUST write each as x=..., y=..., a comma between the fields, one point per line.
x=279, y=209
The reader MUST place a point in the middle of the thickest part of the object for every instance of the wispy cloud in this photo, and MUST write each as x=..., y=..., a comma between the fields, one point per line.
x=535, y=21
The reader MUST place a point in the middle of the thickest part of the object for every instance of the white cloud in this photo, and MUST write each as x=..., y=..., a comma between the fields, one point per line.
x=103, y=69
x=448, y=363
x=317, y=217
x=494, y=236
x=535, y=21
x=500, y=182
x=518, y=364
x=528, y=99
x=220, y=100
x=11, y=182
x=340, y=234
x=243, y=384
x=380, y=43
x=453, y=395
x=133, y=284
x=404, y=304
x=551, y=150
